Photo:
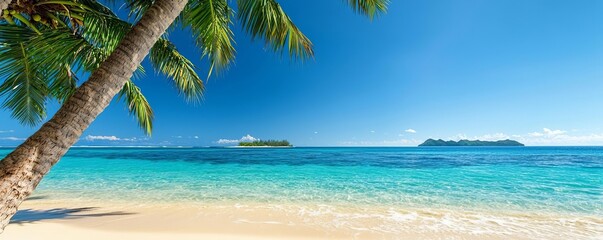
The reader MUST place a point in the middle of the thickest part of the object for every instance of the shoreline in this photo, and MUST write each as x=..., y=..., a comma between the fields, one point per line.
x=41, y=217
x=317, y=194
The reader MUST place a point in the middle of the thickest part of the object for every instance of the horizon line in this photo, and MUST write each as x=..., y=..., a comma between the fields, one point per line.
x=308, y=146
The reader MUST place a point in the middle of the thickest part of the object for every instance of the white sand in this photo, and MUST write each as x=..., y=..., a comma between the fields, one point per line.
x=61, y=219
x=62, y=231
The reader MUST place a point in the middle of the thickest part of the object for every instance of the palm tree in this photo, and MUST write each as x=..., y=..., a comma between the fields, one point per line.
x=210, y=20
x=36, y=69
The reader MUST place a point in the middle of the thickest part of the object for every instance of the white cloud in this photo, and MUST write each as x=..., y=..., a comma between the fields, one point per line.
x=547, y=133
x=485, y=137
x=196, y=137
x=372, y=131
x=246, y=138
x=564, y=139
x=457, y=137
x=107, y=138
x=227, y=141
x=493, y=137
x=553, y=132
x=546, y=137
x=12, y=138
x=410, y=130
x=561, y=137
x=7, y=131
x=315, y=132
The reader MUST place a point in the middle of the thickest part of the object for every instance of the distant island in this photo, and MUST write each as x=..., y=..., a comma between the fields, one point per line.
x=468, y=143
x=266, y=143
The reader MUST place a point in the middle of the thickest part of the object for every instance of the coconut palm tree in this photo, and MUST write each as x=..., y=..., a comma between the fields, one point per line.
x=36, y=68
x=210, y=21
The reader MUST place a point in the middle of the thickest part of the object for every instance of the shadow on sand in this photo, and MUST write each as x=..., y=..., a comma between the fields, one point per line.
x=31, y=215
x=36, y=198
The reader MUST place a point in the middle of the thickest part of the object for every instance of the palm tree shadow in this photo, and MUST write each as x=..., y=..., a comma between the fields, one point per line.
x=31, y=215
x=36, y=198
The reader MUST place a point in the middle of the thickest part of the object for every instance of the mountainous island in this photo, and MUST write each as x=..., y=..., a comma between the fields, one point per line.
x=469, y=143
x=266, y=143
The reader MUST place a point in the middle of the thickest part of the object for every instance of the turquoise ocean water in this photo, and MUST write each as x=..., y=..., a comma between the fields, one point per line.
x=529, y=180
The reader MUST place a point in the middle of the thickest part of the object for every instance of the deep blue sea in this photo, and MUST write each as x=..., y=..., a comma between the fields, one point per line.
x=567, y=181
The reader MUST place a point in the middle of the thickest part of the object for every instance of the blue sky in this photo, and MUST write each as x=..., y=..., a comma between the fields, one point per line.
x=525, y=70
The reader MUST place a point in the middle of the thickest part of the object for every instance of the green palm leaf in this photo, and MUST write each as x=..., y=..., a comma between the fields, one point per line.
x=138, y=7
x=24, y=88
x=64, y=50
x=71, y=48
x=138, y=106
x=104, y=31
x=64, y=84
x=266, y=19
x=39, y=59
x=61, y=47
x=166, y=59
x=64, y=54
x=210, y=21
x=371, y=8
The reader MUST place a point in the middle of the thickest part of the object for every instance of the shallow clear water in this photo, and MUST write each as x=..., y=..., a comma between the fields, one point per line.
x=566, y=180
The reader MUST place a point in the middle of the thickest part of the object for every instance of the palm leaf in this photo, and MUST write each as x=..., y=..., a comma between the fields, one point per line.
x=210, y=21
x=370, y=8
x=138, y=7
x=64, y=54
x=166, y=59
x=61, y=47
x=138, y=106
x=64, y=84
x=266, y=19
x=68, y=48
x=164, y=56
x=104, y=31
x=24, y=88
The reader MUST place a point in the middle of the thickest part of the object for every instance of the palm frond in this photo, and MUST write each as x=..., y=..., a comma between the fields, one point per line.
x=96, y=7
x=104, y=31
x=266, y=19
x=75, y=42
x=64, y=53
x=87, y=51
x=10, y=34
x=138, y=7
x=210, y=21
x=166, y=59
x=63, y=84
x=61, y=47
x=370, y=8
x=24, y=88
x=138, y=106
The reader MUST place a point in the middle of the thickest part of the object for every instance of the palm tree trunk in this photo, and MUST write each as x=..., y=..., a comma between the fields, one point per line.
x=4, y=5
x=23, y=169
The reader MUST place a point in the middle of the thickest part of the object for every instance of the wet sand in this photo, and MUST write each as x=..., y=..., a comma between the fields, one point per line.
x=84, y=219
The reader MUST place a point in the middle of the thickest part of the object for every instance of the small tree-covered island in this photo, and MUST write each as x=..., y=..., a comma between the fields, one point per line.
x=468, y=143
x=266, y=143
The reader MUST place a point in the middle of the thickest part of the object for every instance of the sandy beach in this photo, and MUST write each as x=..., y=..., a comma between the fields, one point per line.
x=68, y=219
x=301, y=120
x=51, y=219
x=313, y=193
